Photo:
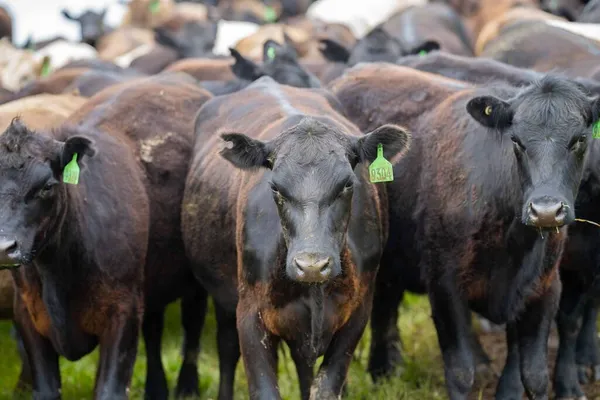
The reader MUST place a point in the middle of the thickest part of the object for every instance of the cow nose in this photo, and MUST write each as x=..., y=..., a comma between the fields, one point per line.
x=8, y=248
x=312, y=268
x=546, y=213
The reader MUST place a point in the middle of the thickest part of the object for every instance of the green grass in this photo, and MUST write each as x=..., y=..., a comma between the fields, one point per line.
x=421, y=377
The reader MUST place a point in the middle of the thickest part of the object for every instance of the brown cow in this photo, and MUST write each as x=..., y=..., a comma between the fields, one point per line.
x=484, y=227
x=156, y=116
x=5, y=24
x=296, y=231
x=205, y=69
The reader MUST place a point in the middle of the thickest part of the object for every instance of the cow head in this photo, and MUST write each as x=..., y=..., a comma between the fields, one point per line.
x=194, y=39
x=31, y=192
x=91, y=23
x=377, y=46
x=279, y=62
x=312, y=181
x=549, y=125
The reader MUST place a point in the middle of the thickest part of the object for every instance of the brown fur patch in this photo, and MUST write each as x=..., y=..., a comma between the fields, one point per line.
x=205, y=69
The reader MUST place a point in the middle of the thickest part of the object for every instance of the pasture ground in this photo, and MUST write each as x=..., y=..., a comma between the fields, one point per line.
x=421, y=378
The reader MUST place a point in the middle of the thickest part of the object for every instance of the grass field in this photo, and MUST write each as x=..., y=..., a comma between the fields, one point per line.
x=420, y=379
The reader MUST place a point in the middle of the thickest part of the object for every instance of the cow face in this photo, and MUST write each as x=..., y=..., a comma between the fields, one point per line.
x=279, y=62
x=312, y=183
x=91, y=23
x=31, y=192
x=549, y=125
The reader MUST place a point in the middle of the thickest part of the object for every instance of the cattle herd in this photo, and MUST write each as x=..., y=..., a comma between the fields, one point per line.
x=223, y=149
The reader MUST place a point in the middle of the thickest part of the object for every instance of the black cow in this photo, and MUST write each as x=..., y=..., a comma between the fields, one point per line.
x=494, y=174
x=91, y=24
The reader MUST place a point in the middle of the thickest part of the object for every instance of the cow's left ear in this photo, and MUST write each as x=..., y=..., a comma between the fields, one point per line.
x=244, y=152
x=395, y=140
x=79, y=145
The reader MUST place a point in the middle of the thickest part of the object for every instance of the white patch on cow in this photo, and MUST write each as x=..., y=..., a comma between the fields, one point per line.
x=62, y=52
x=590, y=31
x=359, y=15
x=147, y=146
x=229, y=33
x=126, y=59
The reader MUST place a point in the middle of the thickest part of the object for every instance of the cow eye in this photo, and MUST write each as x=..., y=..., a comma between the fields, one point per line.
x=349, y=185
x=46, y=190
x=517, y=142
x=274, y=189
x=577, y=142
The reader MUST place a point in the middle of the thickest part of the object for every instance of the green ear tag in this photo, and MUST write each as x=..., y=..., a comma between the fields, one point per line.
x=596, y=132
x=71, y=171
x=45, y=68
x=270, y=15
x=271, y=53
x=381, y=169
x=423, y=53
x=154, y=6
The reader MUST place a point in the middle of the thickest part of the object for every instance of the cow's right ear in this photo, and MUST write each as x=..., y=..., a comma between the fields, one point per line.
x=490, y=112
x=244, y=68
x=67, y=15
x=333, y=51
x=244, y=152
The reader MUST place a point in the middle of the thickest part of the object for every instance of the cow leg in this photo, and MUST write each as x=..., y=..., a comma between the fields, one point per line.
x=25, y=382
x=41, y=356
x=385, y=352
x=229, y=351
x=568, y=322
x=483, y=365
x=305, y=369
x=533, y=329
x=259, y=353
x=193, y=313
x=156, y=380
x=118, y=349
x=588, y=355
x=510, y=386
x=329, y=383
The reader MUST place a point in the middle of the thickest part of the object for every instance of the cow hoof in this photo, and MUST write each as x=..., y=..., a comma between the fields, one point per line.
x=582, y=374
x=485, y=373
x=187, y=383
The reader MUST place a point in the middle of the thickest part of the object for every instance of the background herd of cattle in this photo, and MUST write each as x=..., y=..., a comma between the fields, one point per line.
x=224, y=150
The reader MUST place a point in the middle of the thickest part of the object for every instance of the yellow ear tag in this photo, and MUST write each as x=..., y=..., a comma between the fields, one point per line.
x=488, y=110
x=381, y=170
x=71, y=171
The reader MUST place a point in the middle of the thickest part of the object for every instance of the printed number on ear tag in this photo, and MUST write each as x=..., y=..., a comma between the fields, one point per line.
x=381, y=170
x=596, y=131
x=71, y=172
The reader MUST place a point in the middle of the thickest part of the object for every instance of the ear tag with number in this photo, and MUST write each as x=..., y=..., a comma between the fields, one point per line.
x=71, y=171
x=271, y=53
x=596, y=131
x=381, y=170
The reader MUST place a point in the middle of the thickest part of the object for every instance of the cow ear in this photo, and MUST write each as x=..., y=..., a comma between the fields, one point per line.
x=490, y=112
x=67, y=15
x=244, y=68
x=427, y=47
x=394, y=139
x=79, y=145
x=244, y=152
x=334, y=51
